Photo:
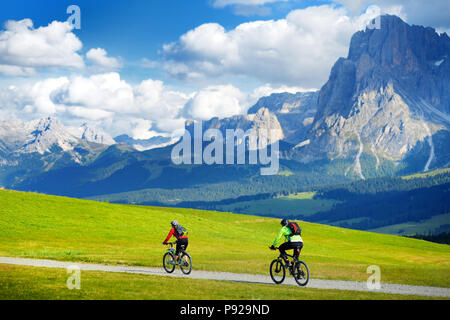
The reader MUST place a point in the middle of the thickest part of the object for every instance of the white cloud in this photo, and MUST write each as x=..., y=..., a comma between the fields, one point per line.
x=117, y=107
x=113, y=105
x=89, y=113
x=106, y=91
x=41, y=96
x=100, y=59
x=154, y=100
x=142, y=130
x=216, y=101
x=23, y=46
x=298, y=50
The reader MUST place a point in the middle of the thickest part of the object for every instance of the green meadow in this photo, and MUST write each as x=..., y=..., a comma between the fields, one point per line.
x=59, y=228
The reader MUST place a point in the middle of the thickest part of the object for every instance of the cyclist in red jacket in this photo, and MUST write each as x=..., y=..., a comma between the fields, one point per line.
x=179, y=232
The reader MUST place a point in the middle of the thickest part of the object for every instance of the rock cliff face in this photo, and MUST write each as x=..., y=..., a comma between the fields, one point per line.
x=389, y=95
x=91, y=134
x=295, y=112
x=37, y=136
x=289, y=116
x=40, y=136
x=145, y=144
x=263, y=122
x=47, y=141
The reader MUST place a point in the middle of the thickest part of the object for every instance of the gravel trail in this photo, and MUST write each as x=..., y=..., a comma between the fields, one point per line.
x=237, y=277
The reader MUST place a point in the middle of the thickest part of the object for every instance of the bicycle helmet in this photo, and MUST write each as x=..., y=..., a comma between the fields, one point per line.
x=174, y=223
x=284, y=222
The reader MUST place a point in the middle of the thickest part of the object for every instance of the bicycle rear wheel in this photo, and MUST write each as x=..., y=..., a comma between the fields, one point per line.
x=169, y=262
x=186, y=263
x=301, y=273
x=277, y=271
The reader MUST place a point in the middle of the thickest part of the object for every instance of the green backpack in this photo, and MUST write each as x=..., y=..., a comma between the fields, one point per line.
x=182, y=231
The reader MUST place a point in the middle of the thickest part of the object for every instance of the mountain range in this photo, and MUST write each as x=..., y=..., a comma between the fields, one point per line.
x=385, y=110
x=390, y=99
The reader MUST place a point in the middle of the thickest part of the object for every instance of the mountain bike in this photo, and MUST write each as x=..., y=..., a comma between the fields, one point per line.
x=184, y=260
x=299, y=270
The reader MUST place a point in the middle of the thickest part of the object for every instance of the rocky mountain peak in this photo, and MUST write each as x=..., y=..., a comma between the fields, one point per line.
x=389, y=95
x=95, y=135
x=42, y=135
x=46, y=133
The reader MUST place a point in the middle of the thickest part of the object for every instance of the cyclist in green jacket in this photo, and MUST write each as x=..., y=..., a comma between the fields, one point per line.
x=294, y=242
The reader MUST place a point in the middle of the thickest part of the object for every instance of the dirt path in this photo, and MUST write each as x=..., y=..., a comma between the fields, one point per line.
x=237, y=277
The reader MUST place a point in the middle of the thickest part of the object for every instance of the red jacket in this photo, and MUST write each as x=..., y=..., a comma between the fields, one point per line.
x=173, y=232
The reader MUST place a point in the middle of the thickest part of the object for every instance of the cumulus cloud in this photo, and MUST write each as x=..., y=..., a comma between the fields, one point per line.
x=89, y=113
x=41, y=96
x=216, y=101
x=298, y=50
x=143, y=110
x=116, y=106
x=142, y=129
x=23, y=47
x=226, y=100
x=106, y=91
x=147, y=104
x=154, y=99
x=100, y=59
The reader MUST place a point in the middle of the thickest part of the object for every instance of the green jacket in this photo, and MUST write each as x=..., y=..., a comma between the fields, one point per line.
x=287, y=233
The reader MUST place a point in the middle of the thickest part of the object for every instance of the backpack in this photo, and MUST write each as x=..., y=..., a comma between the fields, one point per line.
x=295, y=228
x=181, y=230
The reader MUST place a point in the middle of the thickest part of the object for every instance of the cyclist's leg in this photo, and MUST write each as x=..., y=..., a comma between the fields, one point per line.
x=283, y=248
x=181, y=246
x=290, y=246
x=177, y=250
x=185, y=243
x=297, y=250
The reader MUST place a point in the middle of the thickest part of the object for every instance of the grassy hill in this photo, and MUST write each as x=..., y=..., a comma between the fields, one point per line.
x=40, y=226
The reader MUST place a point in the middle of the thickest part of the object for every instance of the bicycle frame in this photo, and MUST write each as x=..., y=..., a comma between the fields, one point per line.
x=172, y=249
x=287, y=255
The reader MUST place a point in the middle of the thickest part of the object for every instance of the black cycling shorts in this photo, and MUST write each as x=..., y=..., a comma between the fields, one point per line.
x=181, y=245
x=297, y=246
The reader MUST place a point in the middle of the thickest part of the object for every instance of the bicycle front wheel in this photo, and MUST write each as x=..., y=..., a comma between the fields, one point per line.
x=277, y=271
x=186, y=263
x=301, y=273
x=169, y=262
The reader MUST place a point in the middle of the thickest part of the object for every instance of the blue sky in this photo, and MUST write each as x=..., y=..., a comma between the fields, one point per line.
x=143, y=67
x=137, y=29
